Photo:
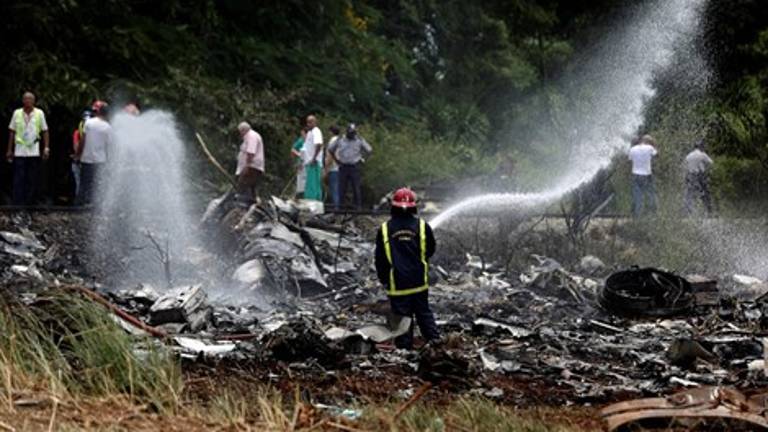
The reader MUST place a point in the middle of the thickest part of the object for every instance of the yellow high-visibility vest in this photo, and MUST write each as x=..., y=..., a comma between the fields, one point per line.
x=392, y=289
x=37, y=120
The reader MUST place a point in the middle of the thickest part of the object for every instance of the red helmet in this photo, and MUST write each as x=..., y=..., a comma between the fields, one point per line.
x=98, y=105
x=404, y=198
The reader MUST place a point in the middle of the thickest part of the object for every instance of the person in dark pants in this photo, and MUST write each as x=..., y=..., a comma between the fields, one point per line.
x=404, y=245
x=250, y=164
x=25, y=179
x=25, y=131
x=348, y=151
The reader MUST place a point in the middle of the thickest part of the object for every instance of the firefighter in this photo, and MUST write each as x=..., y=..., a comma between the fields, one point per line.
x=404, y=245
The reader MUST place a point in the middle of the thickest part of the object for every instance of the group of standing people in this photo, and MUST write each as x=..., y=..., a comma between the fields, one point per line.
x=29, y=145
x=93, y=146
x=339, y=163
x=695, y=168
x=92, y=143
x=323, y=170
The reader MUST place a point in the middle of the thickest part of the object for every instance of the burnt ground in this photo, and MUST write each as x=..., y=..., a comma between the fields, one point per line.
x=552, y=358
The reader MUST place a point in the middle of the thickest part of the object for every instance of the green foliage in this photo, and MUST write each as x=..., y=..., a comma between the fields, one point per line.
x=215, y=107
x=739, y=181
x=410, y=155
x=475, y=78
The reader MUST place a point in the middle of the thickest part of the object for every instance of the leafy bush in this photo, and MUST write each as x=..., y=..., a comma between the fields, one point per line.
x=738, y=181
x=410, y=155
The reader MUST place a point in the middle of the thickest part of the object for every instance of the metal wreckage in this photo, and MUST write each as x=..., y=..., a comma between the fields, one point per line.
x=303, y=300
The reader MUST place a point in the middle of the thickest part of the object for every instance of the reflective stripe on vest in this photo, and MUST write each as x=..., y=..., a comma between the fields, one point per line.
x=393, y=291
x=21, y=127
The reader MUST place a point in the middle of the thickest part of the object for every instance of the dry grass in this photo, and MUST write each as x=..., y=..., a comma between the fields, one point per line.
x=271, y=414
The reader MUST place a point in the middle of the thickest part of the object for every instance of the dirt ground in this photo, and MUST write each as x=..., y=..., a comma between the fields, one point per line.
x=40, y=412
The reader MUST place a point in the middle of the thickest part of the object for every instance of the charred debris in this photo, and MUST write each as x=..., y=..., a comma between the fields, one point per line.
x=302, y=295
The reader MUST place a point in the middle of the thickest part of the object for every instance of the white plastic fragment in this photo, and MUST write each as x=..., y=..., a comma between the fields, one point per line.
x=198, y=346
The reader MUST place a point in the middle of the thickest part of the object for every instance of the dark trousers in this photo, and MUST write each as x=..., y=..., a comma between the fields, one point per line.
x=333, y=188
x=349, y=176
x=247, y=183
x=89, y=180
x=25, y=171
x=414, y=305
x=697, y=187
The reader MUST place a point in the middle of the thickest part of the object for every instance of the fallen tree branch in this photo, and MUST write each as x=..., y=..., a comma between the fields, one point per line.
x=215, y=162
x=116, y=310
x=416, y=396
x=288, y=185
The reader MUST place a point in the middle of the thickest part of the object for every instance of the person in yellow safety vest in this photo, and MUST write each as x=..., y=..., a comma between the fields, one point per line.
x=26, y=129
x=404, y=245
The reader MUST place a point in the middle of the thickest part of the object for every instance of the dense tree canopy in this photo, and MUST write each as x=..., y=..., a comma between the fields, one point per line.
x=419, y=75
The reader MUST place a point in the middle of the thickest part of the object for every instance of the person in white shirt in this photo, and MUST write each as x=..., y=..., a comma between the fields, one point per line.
x=697, y=164
x=312, y=157
x=643, y=191
x=332, y=168
x=93, y=153
x=27, y=127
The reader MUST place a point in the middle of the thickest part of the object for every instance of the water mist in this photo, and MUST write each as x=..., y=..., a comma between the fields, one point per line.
x=619, y=78
x=144, y=216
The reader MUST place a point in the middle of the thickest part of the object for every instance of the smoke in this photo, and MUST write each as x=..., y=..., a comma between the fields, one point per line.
x=612, y=87
x=143, y=203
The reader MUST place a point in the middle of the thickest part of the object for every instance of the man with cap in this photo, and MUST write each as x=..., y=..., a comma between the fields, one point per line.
x=404, y=245
x=348, y=151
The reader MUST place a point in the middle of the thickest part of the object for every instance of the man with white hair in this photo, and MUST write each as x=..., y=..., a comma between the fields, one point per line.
x=25, y=131
x=250, y=163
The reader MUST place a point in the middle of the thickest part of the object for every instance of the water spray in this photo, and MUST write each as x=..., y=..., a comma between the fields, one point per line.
x=620, y=77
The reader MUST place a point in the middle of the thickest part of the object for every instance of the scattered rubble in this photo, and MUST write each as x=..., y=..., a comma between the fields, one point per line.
x=591, y=265
x=301, y=295
x=183, y=305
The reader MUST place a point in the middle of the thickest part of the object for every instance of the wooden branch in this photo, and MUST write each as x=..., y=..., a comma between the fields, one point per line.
x=116, y=310
x=416, y=396
x=215, y=162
